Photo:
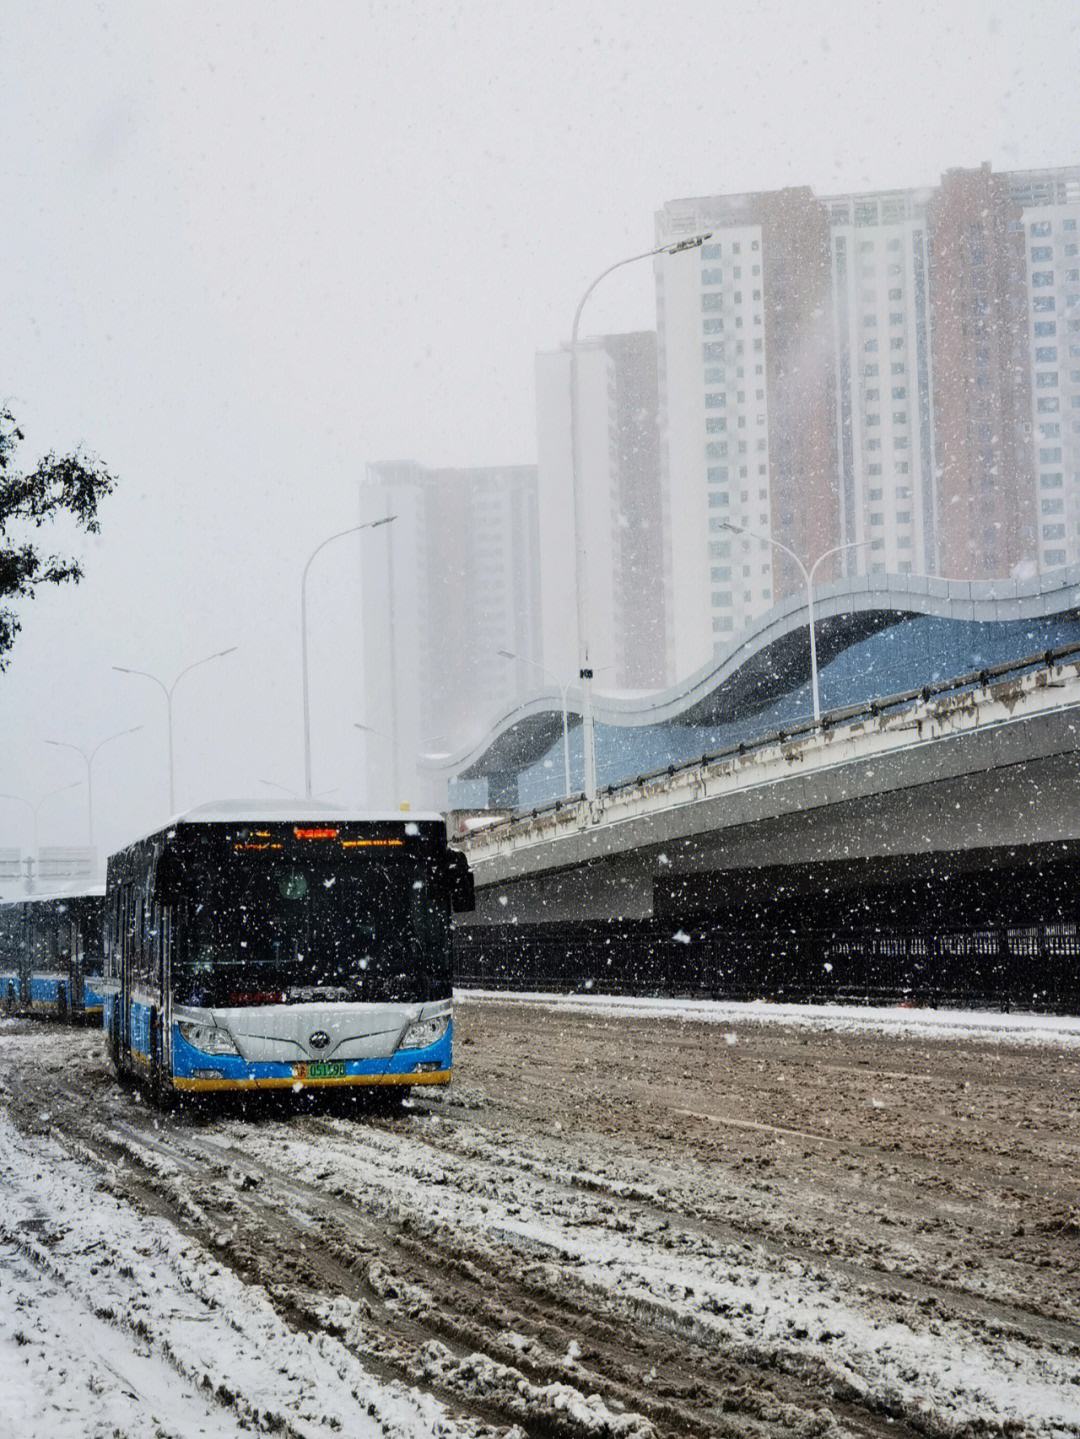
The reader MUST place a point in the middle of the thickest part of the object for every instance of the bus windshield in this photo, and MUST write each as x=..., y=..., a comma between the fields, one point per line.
x=315, y=929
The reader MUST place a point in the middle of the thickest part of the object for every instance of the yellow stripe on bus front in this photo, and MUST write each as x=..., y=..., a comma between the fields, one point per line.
x=203, y=1086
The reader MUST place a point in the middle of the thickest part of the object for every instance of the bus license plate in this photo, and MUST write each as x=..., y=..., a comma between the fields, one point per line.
x=320, y=1069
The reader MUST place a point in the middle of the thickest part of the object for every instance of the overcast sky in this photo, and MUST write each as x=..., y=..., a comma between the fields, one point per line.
x=246, y=247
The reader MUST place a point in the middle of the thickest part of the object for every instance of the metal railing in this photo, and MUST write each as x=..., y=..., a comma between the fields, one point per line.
x=804, y=729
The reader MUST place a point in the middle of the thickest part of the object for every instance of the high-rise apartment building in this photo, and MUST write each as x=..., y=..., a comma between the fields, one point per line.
x=884, y=422
x=449, y=584
x=746, y=397
x=982, y=377
x=896, y=371
x=618, y=446
x=1048, y=202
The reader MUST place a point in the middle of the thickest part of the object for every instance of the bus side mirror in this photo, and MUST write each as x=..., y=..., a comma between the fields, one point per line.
x=169, y=879
x=462, y=885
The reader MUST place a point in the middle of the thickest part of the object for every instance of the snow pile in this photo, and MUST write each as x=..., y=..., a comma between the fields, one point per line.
x=111, y=1322
x=1061, y=1031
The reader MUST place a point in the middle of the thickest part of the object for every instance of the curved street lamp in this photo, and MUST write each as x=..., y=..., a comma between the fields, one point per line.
x=88, y=760
x=808, y=578
x=168, y=691
x=692, y=242
x=35, y=808
x=340, y=535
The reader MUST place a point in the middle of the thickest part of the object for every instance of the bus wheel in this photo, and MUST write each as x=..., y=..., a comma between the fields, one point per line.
x=119, y=1068
x=389, y=1098
x=161, y=1086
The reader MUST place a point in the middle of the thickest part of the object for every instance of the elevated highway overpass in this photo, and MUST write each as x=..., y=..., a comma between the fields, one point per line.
x=917, y=795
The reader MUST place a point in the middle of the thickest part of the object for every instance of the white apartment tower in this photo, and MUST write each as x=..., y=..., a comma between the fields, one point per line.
x=1050, y=204
x=746, y=399
x=884, y=417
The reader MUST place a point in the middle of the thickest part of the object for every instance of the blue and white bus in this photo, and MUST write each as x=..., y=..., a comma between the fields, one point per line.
x=251, y=947
x=52, y=955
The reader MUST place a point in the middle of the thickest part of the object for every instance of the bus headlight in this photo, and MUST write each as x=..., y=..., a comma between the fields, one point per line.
x=423, y=1032
x=207, y=1037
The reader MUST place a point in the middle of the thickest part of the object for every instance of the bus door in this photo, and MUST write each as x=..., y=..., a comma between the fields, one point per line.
x=161, y=1024
x=127, y=948
x=78, y=957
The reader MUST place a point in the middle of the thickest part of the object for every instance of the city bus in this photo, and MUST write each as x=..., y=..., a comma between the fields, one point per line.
x=252, y=947
x=52, y=955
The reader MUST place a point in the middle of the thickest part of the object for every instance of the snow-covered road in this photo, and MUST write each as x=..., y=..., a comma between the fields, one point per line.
x=613, y=1226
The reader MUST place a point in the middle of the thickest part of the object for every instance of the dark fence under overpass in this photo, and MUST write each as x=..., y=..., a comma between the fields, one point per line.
x=982, y=926
x=1023, y=967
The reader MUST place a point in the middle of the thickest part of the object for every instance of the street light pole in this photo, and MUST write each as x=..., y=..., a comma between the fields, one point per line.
x=88, y=760
x=340, y=535
x=585, y=670
x=808, y=580
x=168, y=691
x=35, y=808
x=564, y=690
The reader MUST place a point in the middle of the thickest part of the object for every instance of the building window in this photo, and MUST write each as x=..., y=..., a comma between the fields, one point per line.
x=712, y=327
x=719, y=499
x=713, y=350
x=1052, y=481
x=899, y=417
x=714, y=376
x=877, y=519
x=869, y=371
x=715, y=402
x=896, y=294
x=1046, y=380
x=873, y=444
x=1040, y=229
x=896, y=344
x=721, y=599
x=897, y=367
x=715, y=425
x=899, y=392
x=1040, y=253
x=873, y=419
x=723, y=626
x=719, y=573
x=900, y=442
x=1046, y=355
x=1053, y=532
x=1053, y=557
x=870, y=347
x=904, y=542
x=873, y=495
x=717, y=475
x=1043, y=304
x=869, y=320
x=1052, y=507
x=712, y=300
x=712, y=277
x=896, y=317
x=1050, y=456
x=716, y=450
x=711, y=252
x=1045, y=328
x=1048, y=404
x=873, y=470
